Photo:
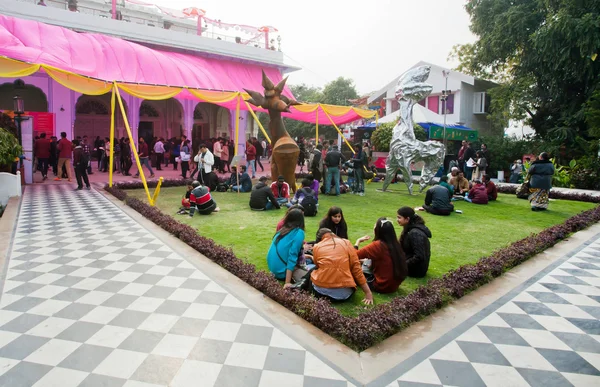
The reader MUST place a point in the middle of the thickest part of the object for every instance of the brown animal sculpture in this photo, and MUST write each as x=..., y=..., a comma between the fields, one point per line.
x=285, y=149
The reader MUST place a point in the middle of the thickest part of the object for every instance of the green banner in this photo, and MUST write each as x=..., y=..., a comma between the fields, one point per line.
x=437, y=133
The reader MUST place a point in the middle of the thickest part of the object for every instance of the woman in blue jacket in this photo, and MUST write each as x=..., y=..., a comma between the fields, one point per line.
x=286, y=247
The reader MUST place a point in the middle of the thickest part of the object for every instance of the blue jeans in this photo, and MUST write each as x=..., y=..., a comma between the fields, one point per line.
x=237, y=188
x=359, y=181
x=284, y=202
x=269, y=206
x=250, y=165
x=468, y=172
x=335, y=173
x=145, y=161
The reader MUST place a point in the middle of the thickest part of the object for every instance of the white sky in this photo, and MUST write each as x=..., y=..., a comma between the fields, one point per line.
x=369, y=41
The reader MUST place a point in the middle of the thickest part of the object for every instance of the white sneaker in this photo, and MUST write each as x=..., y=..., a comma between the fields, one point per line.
x=361, y=193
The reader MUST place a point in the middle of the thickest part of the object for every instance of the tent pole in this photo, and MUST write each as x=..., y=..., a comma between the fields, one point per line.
x=340, y=132
x=237, y=124
x=133, y=147
x=112, y=137
x=317, y=125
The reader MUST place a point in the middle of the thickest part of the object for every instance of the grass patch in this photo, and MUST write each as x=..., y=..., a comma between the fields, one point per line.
x=457, y=240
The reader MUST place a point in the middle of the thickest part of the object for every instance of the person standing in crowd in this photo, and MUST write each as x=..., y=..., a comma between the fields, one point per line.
x=205, y=161
x=65, y=150
x=333, y=161
x=316, y=163
x=338, y=270
x=469, y=155
x=250, y=158
x=80, y=163
x=481, y=166
x=99, y=148
x=225, y=156
x=359, y=162
x=415, y=242
x=168, y=144
x=175, y=152
x=302, y=154
x=54, y=155
x=516, y=171
x=126, y=156
x=85, y=145
x=486, y=153
x=144, y=155
x=286, y=247
x=261, y=197
x=201, y=200
x=259, y=152
x=388, y=263
x=159, y=150
x=185, y=156
x=461, y=155
x=540, y=182
x=437, y=201
x=217, y=153
x=42, y=149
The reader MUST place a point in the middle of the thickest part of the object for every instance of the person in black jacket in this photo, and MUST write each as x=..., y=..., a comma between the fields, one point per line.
x=469, y=154
x=316, y=166
x=415, y=242
x=261, y=197
x=333, y=161
x=437, y=201
x=540, y=182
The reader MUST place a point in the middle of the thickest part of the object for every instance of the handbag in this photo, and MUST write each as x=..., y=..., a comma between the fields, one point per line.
x=523, y=190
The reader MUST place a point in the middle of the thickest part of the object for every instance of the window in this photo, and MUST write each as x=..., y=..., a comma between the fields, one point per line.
x=481, y=103
x=449, y=104
x=433, y=103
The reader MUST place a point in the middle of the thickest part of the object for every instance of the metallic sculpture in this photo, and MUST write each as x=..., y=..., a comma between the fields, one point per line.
x=405, y=148
x=285, y=149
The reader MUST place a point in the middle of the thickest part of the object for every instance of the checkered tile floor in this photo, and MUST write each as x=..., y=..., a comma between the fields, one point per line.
x=93, y=299
x=547, y=335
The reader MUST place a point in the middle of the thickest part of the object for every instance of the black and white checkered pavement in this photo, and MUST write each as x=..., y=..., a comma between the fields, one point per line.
x=547, y=335
x=91, y=298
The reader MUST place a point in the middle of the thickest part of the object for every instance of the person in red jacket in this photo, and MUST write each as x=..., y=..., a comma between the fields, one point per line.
x=384, y=262
x=41, y=149
x=251, y=158
x=65, y=150
x=492, y=190
x=477, y=194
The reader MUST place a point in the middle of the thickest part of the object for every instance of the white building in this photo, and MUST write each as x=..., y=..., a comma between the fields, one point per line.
x=467, y=104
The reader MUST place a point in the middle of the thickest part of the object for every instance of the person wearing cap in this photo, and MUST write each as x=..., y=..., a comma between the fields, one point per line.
x=201, y=200
x=261, y=197
x=333, y=161
x=281, y=191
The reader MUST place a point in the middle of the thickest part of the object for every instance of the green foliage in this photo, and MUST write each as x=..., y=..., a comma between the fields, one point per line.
x=420, y=133
x=339, y=91
x=544, y=53
x=592, y=114
x=9, y=148
x=505, y=150
x=382, y=137
x=586, y=174
x=562, y=174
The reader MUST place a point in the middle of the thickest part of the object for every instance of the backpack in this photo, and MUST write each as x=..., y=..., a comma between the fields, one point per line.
x=310, y=205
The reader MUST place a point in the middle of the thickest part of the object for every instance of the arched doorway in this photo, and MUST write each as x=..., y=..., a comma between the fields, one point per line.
x=92, y=117
x=210, y=121
x=160, y=119
x=34, y=97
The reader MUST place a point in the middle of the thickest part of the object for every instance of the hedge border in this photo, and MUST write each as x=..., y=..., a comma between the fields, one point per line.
x=383, y=320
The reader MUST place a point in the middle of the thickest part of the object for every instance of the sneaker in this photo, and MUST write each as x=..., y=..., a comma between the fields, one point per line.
x=79, y=189
x=361, y=194
x=151, y=176
x=57, y=179
x=88, y=188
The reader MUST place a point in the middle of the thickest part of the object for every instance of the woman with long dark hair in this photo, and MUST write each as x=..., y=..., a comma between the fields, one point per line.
x=388, y=263
x=415, y=242
x=334, y=220
x=285, y=249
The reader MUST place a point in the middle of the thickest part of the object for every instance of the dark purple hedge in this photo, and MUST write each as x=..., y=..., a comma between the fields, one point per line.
x=384, y=320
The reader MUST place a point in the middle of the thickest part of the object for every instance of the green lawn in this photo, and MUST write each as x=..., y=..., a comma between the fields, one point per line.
x=457, y=239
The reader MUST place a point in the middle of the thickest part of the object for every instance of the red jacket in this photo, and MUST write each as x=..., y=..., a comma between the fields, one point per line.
x=492, y=191
x=42, y=148
x=250, y=153
x=65, y=148
x=285, y=190
x=383, y=267
x=144, y=150
x=478, y=194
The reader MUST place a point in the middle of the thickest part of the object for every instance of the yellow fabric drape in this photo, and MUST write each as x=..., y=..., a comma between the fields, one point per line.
x=10, y=68
x=112, y=136
x=237, y=124
x=340, y=132
x=214, y=96
x=317, y=129
x=257, y=121
x=78, y=83
x=306, y=108
x=149, y=92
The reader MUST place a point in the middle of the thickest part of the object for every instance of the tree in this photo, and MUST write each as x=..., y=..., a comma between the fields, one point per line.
x=339, y=91
x=543, y=52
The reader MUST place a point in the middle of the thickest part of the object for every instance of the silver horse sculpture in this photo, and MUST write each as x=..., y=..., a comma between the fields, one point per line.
x=405, y=148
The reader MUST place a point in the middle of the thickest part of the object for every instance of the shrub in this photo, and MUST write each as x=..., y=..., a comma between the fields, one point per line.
x=384, y=320
x=9, y=148
x=382, y=137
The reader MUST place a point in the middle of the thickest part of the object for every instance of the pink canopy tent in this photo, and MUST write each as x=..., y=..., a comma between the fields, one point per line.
x=112, y=59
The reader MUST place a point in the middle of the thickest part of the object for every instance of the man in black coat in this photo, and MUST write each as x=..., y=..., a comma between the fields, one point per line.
x=261, y=197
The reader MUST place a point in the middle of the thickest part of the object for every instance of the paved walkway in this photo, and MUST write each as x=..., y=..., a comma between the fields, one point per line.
x=545, y=333
x=91, y=298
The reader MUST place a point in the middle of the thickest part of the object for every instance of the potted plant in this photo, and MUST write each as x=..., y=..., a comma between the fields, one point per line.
x=9, y=145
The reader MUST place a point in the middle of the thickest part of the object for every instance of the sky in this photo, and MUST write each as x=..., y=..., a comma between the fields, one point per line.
x=371, y=42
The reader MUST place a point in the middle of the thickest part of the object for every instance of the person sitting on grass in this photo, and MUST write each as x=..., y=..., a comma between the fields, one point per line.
x=387, y=261
x=460, y=184
x=286, y=247
x=492, y=190
x=281, y=191
x=444, y=183
x=262, y=198
x=338, y=269
x=415, y=242
x=437, y=201
x=314, y=185
x=185, y=201
x=201, y=200
x=303, y=192
x=334, y=220
x=477, y=194
x=241, y=183
x=282, y=221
